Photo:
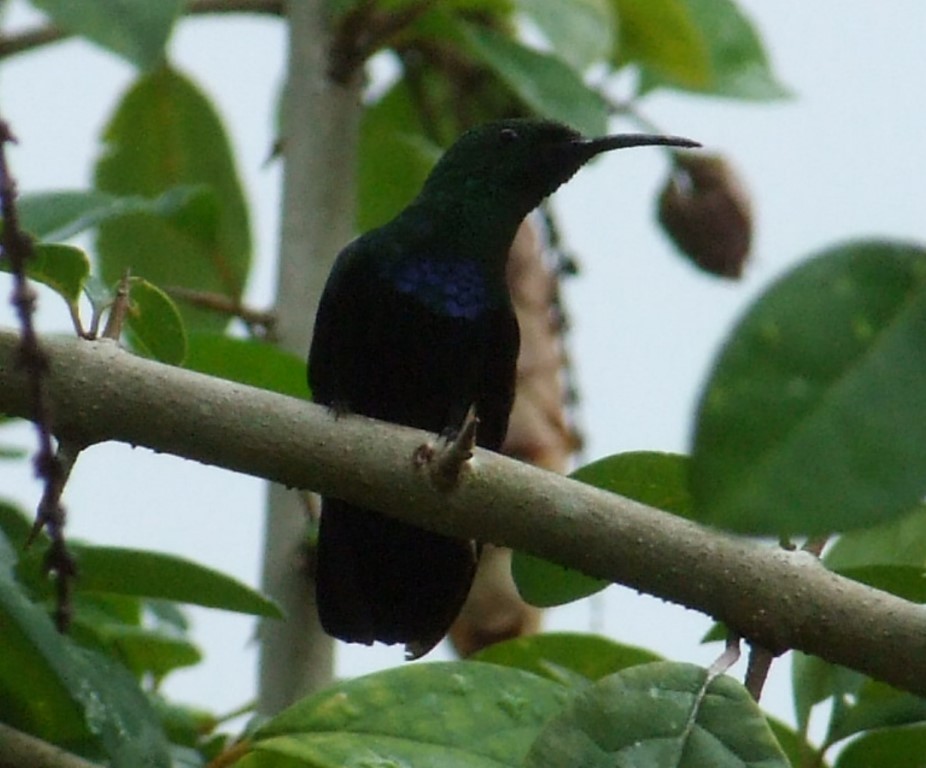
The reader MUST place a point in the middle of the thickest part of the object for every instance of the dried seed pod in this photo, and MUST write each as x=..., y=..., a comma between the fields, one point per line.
x=707, y=212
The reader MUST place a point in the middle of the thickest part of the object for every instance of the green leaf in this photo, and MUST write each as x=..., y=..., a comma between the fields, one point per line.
x=71, y=697
x=543, y=82
x=546, y=584
x=98, y=293
x=815, y=680
x=799, y=751
x=11, y=536
x=654, y=715
x=155, y=323
x=662, y=37
x=105, y=622
x=185, y=725
x=117, y=711
x=63, y=268
x=40, y=702
x=141, y=573
x=447, y=714
x=891, y=556
x=137, y=30
x=657, y=479
x=247, y=361
x=119, y=628
x=738, y=64
x=650, y=477
x=552, y=653
x=896, y=747
x=59, y=215
x=164, y=134
x=144, y=651
x=394, y=157
x=12, y=453
x=875, y=705
x=814, y=417
x=580, y=31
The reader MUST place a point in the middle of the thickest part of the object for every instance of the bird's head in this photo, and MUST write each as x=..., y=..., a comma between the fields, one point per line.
x=517, y=163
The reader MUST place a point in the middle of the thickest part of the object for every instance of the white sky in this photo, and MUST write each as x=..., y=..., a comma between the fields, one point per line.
x=844, y=159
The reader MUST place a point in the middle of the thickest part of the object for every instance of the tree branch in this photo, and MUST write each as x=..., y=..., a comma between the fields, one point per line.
x=778, y=599
x=20, y=750
x=319, y=159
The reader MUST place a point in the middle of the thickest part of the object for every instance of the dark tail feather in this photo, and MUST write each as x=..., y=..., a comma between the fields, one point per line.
x=380, y=579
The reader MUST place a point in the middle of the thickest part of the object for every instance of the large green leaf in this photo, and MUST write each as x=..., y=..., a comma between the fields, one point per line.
x=738, y=64
x=543, y=82
x=247, y=361
x=164, y=134
x=448, y=714
x=875, y=705
x=815, y=680
x=560, y=655
x=394, y=157
x=146, y=636
x=662, y=37
x=891, y=556
x=40, y=702
x=134, y=29
x=121, y=572
x=580, y=31
x=142, y=573
x=657, y=479
x=795, y=745
x=655, y=715
x=70, y=696
x=63, y=268
x=894, y=747
x=814, y=417
x=59, y=215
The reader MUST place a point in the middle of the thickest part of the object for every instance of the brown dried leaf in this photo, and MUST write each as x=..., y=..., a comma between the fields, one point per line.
x=706, y=211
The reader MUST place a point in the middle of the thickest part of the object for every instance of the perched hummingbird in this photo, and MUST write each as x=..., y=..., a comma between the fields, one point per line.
x=415, y=325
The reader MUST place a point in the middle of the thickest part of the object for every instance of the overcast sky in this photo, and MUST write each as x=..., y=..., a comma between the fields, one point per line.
x=844, y=159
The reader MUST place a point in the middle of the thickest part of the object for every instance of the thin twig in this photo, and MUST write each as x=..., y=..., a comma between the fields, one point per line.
x=58, y=559
x=816, y=545
x=17, y=247
x=729, y=657
x=119, y=309
x=260, y=323
x=363, y=31
x=760, y=661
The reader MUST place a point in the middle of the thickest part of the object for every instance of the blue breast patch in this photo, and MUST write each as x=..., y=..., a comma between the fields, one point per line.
x=453, y=288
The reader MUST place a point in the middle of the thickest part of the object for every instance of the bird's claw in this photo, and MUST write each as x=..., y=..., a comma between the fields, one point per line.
x=447, y=462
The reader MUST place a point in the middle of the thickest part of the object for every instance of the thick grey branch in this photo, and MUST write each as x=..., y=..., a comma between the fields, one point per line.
x=778, y=599
x=20, y=750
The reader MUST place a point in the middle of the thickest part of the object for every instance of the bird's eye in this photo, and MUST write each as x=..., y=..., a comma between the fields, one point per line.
x=508, y=135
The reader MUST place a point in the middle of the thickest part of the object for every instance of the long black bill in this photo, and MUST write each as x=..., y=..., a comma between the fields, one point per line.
x=624, y=140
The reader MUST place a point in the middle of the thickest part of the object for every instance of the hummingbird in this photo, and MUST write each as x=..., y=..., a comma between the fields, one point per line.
x=415, y=326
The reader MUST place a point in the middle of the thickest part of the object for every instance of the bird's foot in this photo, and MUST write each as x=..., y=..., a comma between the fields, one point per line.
x=446, y=462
